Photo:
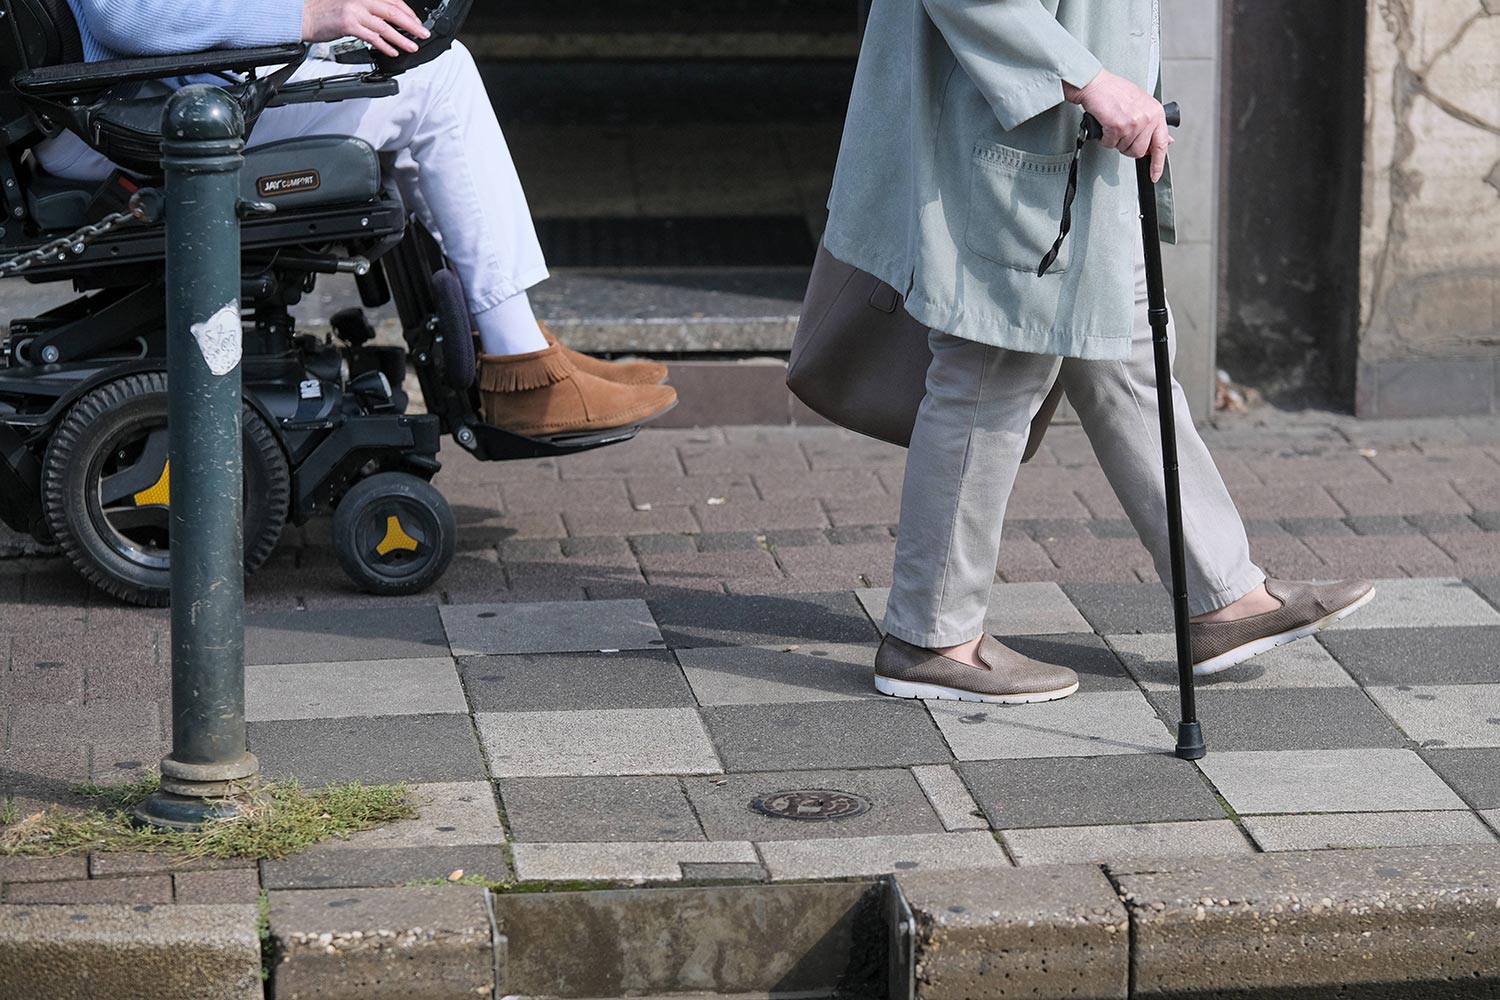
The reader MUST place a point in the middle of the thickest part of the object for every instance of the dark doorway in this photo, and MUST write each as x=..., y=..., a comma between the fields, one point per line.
x=1294, y=132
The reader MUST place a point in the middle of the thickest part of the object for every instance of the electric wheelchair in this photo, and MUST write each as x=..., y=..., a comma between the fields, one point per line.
x=83, y=444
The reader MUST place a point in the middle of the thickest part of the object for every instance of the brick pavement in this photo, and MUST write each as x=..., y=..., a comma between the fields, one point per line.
x=743, y=566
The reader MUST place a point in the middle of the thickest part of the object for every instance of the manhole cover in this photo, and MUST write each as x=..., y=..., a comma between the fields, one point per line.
x=811, y=804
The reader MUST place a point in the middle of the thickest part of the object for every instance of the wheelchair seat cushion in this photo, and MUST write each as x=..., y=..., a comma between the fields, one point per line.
x=312, y=170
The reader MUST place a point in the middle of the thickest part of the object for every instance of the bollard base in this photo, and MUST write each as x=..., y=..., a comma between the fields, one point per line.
x=182, y=812
x=1190, y=741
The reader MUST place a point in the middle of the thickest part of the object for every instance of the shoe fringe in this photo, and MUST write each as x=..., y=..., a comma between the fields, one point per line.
x=527, y=371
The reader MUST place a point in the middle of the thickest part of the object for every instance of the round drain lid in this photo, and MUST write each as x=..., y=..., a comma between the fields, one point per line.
x=811, y=804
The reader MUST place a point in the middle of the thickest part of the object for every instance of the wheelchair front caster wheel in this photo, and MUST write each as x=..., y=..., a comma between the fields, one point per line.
x=394, y=534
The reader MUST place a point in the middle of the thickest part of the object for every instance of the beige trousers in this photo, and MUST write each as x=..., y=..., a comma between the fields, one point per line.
x=966, y=451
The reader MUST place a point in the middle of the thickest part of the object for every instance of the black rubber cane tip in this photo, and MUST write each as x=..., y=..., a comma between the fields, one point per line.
x=1190, y=741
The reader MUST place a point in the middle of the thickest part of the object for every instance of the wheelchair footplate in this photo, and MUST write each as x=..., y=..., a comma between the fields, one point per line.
x=495, y=444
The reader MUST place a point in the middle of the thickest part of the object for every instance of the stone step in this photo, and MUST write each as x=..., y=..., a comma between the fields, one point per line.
x=676, y=311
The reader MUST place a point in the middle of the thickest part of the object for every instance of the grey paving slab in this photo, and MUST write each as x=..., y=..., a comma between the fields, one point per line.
x=1304, y=718
x=1152, y=660
x=631, y=863
x=1085, y=725
x=1327, y=781
x=869, y=856
x=761, y=675
x=692, y=621
x=1089, y=791
x=1122, y=608
x=550, y=627
x=384, y=749
x=1436, y=715
x=1422, y=603
x=365, y=688
x=550, y=682
x=1133, y=841
x=449, y=814
x=825, y=736
x=388, y=633
x=897, y=805
x=612, y=741
x=598, y=810
x=382, y=866
x=1097, y=665
x=1015, y=609
x=1392, y=656
x=1489, y=586
x=724, y=871
x=1474, y=774
x=1350, y=830
x=950, y=798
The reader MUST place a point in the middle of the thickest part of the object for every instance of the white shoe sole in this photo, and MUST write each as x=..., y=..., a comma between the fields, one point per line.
x=1240, y=654
x=936, y=692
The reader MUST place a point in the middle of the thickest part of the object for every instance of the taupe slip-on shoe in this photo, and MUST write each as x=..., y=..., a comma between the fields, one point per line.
x=1305, y=608
x=906, y=671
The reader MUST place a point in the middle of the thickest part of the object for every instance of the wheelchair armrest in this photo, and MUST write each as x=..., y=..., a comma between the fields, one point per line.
x=87, y=78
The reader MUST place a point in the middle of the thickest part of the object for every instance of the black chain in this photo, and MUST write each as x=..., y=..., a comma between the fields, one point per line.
x=145, y=206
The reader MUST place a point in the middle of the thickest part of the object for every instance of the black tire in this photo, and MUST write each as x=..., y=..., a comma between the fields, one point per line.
x=116, y=435
x=392, y=559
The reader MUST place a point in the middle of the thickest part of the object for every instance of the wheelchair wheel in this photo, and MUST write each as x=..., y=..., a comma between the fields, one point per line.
x=394, y=534
x=105, y=483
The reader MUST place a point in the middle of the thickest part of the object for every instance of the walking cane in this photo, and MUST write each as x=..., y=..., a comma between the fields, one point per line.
x=1189, y=730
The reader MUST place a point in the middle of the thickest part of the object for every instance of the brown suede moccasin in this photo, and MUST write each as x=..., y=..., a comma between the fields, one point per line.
x=906, y=671
x=633, y=372
x=1305, y=608
x=544, y=394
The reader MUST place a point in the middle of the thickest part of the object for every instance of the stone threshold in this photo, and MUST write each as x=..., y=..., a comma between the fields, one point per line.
x=1308, y=924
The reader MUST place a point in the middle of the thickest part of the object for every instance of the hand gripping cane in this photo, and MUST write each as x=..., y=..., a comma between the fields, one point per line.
x=1189, y=730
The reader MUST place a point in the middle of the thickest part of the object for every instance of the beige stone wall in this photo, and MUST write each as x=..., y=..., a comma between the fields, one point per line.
x=1430, y=247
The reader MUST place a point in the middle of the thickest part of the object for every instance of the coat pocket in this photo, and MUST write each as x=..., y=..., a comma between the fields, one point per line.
x=1015, y=206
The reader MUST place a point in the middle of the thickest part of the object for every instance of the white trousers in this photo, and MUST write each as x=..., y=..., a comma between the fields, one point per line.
x=442, y=142
x=966, y=451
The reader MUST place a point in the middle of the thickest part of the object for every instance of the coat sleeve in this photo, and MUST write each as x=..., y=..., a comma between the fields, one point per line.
x=1015, y=51
x=165, y=27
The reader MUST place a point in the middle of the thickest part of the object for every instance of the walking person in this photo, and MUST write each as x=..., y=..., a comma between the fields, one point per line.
x=949, y=187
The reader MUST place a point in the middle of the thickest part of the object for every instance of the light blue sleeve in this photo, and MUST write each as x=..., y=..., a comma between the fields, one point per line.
x=1015, y=51
x=166, y=27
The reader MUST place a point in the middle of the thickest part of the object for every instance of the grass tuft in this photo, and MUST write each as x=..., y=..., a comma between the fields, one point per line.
x=275, y=820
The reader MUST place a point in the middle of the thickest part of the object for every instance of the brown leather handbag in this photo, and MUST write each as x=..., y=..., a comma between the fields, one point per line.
x=860, y=360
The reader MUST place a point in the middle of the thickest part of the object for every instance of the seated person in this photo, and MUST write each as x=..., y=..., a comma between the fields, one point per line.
x=442, y=140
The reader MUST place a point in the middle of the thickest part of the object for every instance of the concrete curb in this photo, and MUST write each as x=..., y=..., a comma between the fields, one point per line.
x=1404, y=923
x=1309, y=925
x=1336, y=924
x=1046, y=931
x=106, y=950
x=436, y=942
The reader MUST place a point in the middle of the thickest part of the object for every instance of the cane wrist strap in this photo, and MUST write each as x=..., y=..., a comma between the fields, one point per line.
x=1067, y=212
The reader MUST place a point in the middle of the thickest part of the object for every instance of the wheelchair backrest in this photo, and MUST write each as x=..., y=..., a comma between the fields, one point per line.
x=33, y=34
x=47, y=33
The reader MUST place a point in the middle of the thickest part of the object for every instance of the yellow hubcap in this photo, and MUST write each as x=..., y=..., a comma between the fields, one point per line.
x=396, y=538
x=161, y=493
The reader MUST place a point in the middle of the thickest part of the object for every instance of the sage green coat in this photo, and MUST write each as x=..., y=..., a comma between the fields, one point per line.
x=954, y=165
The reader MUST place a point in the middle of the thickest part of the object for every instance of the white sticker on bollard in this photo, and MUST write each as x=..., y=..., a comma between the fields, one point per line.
x=220, y=338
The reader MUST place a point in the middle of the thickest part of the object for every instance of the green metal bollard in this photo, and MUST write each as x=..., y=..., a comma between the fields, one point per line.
x=203, y=135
